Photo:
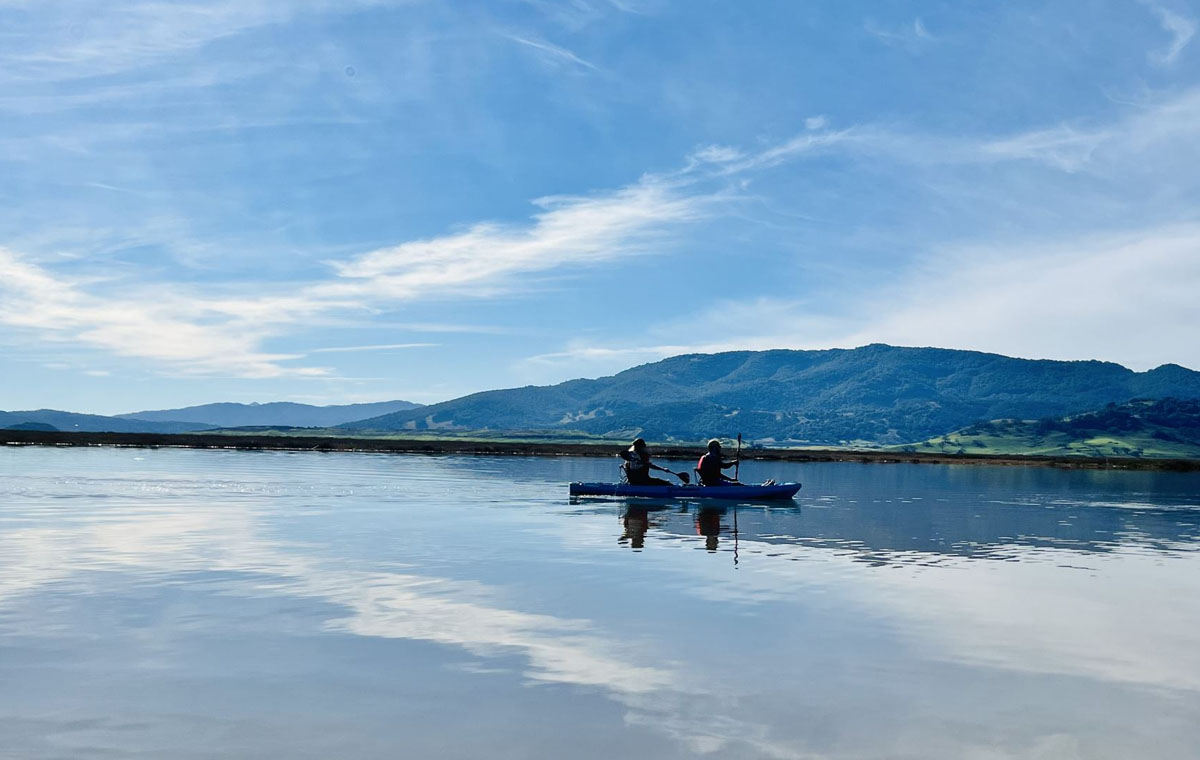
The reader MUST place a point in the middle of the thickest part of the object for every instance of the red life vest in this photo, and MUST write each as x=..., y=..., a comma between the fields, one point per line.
x=709, y=468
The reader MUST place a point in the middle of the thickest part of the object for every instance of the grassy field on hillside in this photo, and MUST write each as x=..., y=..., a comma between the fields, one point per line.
x=1016, y=437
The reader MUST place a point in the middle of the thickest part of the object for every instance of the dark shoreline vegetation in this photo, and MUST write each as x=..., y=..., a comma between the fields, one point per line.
x=483, y=447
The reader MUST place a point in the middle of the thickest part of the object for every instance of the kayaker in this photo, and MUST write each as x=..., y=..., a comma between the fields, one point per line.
x=637, y=465
x=710, y=466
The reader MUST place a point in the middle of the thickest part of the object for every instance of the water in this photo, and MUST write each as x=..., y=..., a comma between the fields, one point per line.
x=205, y=604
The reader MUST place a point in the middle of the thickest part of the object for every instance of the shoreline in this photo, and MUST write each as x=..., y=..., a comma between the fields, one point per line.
x=487, y=448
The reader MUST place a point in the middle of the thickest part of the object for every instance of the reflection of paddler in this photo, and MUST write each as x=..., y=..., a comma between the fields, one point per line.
x=708, y=524
x=637, y=522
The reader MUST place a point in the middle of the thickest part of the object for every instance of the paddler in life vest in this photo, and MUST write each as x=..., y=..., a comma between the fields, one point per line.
x=711, y=464
x=637, y=466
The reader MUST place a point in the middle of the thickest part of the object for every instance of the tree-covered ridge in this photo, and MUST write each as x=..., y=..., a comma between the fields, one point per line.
x=874, y=394
x=1152, y=428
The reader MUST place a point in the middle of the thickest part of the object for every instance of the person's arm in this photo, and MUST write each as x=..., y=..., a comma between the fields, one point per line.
x=728, y=464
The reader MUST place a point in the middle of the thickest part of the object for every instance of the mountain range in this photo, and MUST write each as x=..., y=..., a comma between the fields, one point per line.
x=872, y=395
x=203, y=417
x=876, y=394
x=282, y=413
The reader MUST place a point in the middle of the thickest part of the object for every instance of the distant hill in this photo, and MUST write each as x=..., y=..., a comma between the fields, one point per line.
x=1163, y=428
x=272, y=414
x=40, y=427
x=92, y=423
x=875, y=394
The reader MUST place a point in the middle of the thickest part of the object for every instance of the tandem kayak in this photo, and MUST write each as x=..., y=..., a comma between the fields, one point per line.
x=778, y=491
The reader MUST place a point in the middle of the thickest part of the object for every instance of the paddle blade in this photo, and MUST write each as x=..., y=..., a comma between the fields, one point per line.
x=684, y=477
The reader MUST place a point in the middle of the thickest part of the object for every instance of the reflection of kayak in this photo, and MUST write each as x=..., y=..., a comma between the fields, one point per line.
x=778, y=491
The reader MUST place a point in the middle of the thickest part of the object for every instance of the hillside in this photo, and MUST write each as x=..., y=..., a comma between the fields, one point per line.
x=275, y=413
x=1162, y=428
x=93, y=423
x=875, y=394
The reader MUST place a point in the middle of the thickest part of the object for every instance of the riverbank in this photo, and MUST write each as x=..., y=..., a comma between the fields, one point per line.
x=525, y=448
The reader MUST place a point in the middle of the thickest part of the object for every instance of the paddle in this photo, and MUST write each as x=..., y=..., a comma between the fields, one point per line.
x=738, y=461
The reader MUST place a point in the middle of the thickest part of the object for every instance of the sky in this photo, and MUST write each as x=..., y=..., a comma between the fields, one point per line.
x=336, y=201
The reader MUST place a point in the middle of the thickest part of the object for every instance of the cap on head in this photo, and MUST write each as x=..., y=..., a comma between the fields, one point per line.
x=714, y=445
x=638, y=443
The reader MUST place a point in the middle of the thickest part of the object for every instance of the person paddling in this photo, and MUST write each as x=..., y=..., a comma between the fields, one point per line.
x=637, y=466
x=710, y=466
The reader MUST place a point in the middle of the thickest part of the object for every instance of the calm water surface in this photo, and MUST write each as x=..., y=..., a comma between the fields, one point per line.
x=202, y=604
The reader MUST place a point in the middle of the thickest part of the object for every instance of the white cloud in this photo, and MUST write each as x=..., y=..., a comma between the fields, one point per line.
x=68, y=40
x=220, y=330
x=568, y=230
x=1181, y=29
x=1128, y=297
x=381, y=347
x=551, y=53
x=31, y=299
x=1062, y=147
x=222, y=333
x=911, y=36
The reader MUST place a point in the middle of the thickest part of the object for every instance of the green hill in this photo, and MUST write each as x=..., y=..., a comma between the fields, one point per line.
x=1164, y=428
x=875, y=395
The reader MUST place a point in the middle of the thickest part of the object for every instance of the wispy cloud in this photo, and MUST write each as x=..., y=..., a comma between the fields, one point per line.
x=221, y=329
x=222, y=333
x=69, y=40
x=1063, y=147
x=1181, y=29
x=1127, y=297
x=553, y=54
x=567, y=230
x=380, y=347
x=577, y=14
x=910, y=36
x=164, y=330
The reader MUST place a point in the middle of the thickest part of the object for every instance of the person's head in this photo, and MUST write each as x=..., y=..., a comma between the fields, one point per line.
x=639, y=444
x=714, y=446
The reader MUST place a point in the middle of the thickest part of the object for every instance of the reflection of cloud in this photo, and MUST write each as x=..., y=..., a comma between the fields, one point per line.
x=1040, y=618
x=165, y=532
x=1031, y=616
x=999, y=618
x=1024, y=609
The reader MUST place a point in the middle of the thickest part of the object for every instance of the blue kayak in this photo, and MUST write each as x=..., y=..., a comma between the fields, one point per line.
x=778, y=491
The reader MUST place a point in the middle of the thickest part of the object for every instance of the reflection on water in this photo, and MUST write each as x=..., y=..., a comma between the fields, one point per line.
x=893, y=531
x=177, y=603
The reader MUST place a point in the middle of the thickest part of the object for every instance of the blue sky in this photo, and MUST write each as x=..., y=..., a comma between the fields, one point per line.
x=332, y=201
